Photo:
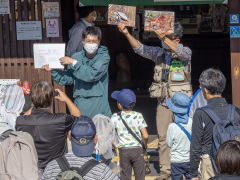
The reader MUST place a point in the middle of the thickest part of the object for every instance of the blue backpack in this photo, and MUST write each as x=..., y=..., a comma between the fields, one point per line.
x=223, y=130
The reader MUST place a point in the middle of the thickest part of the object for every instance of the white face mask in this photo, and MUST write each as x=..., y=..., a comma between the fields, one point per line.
x=94, y=19
x=164, y=45
x=90, y=48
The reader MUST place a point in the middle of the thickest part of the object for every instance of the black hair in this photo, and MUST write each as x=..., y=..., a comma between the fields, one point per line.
x=129, y=108
x=178, y=30
x=84, y=11
x=92, y=30
x=213, y=80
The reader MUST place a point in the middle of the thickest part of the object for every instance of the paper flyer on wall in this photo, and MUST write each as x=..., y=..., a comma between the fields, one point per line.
x=51, y=9
x=163, y=20
x=4, y=7
x=52, y=27
x=121, y=14
x=45, y=53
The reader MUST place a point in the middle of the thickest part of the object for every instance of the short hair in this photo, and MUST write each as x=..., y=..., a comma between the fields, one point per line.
x=92, y=30
x=42, y=94
x=213, y=80
x=178, y=30
x=129, y=108
x=84, y=11
x=227, y=159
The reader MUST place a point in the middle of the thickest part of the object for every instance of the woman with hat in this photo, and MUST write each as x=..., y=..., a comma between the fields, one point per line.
x=179, y=136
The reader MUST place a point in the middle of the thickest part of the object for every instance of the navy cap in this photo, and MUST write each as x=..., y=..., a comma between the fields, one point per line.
x=125, y=97
x=82, y=136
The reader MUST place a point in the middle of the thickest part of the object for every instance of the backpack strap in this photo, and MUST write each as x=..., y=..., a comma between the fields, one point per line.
x=63, y=163
x=184, y=130
x=211, y=114
x=231, y=111
x=5, y=135
x=87, y=167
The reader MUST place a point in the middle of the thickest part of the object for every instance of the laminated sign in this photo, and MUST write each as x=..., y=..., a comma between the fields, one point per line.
x=52, y=27
x=4, y=7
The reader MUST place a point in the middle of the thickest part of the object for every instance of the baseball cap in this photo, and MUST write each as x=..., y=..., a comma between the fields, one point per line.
x=125, y=97
x=82, y=136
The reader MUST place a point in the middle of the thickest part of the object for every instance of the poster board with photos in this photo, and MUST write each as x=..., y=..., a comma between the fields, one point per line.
x=155, y=20
x=121, y=14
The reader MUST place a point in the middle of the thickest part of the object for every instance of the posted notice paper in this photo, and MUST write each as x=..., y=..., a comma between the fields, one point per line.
x=45, y=53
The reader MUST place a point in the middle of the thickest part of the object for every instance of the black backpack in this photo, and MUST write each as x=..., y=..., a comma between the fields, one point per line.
x=73, y=173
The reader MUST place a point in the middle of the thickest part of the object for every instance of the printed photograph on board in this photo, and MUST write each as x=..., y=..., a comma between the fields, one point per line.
x=123, y=14
x=155, y=20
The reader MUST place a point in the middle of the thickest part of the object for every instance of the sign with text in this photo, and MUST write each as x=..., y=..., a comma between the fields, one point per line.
x=45, y=53
x=52, y=27
x=29, y=30
x=51, y=9
x=4, y=7
x=234, y=18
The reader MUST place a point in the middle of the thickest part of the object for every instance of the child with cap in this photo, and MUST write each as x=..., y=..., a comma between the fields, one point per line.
x=179, y=136
x=131, y=151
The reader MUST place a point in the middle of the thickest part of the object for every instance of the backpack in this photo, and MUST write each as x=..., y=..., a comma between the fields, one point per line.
x=17, y=157
x=73, y=173
x=223, y=130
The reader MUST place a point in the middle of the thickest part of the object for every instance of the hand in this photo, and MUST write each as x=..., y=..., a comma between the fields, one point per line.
x=195, y=178
x=122, y=28
x=62, y=96
x=66, y=60
x=161, y=34
x=46, y=67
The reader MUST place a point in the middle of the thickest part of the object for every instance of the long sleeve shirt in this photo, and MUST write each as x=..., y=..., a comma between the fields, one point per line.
x=202, y=131
x=159, y=55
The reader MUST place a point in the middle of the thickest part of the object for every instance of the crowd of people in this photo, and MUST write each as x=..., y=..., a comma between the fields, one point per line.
x=210, y=139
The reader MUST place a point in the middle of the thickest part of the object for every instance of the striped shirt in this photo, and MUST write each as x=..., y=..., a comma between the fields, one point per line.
x=98, y=172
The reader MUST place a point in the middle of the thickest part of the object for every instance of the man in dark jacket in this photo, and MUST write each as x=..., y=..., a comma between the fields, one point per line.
x=213, y=83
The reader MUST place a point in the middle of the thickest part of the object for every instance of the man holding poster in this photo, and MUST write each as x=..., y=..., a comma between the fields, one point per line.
x=88, y=71
x=164, y=57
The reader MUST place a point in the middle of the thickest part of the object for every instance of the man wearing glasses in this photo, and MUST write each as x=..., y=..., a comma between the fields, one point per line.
x=171, y=49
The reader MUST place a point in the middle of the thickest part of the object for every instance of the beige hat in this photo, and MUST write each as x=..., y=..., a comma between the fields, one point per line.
x=3, y=125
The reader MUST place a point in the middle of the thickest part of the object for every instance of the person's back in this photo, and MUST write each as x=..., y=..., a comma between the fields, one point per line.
x=131, y=150
x=48, y=130
x=83, y=137
x=179, y=136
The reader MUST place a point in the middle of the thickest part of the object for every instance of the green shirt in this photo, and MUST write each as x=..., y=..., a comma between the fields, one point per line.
x=135, y=121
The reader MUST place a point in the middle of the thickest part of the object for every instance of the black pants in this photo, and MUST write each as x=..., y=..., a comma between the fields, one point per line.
x=132, y=158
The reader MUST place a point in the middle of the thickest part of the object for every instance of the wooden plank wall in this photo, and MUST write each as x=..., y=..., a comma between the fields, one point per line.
x=16, y=56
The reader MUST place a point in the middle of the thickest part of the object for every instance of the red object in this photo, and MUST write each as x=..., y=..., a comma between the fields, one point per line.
x=25, y=87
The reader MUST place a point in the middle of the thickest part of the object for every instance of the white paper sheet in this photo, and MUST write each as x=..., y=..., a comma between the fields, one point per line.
x=45, y=53
x=29, y=30
x=4, y=7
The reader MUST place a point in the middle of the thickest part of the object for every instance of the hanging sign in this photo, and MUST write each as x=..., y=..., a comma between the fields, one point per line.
x=4, y=7
x=234, y=18
x=51, y=9
x=52, y=27
x=29, y=30
x=234, y=31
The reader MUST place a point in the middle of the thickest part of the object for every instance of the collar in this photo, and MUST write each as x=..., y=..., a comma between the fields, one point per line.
x=87, y=23
x=40, y=111
x=217, y=100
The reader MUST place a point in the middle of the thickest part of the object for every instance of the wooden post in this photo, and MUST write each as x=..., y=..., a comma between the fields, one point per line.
x=234, y=8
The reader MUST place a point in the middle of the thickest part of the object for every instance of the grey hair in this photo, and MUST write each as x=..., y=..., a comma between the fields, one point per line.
x=213, y=80
x=178, y=30
x=92, y=30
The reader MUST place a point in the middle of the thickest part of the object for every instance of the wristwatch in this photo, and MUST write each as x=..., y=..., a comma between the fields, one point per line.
x=74, y=62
